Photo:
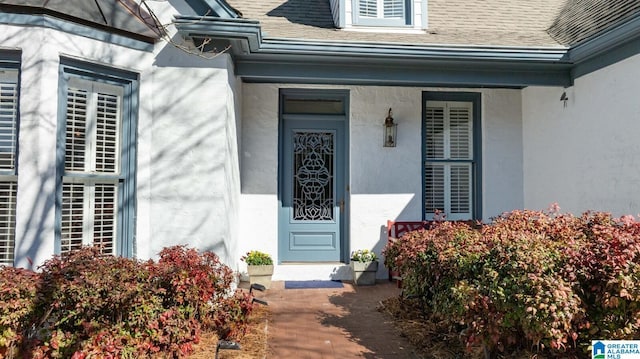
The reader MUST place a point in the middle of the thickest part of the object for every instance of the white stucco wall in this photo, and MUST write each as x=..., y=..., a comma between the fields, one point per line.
x=584, y=155
x=193, y=161
x=187, y=164
x=385, y=182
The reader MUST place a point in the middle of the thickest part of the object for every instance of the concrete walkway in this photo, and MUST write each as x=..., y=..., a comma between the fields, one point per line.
x=333, y=323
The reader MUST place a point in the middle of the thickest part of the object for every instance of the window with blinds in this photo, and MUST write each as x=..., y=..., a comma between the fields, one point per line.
x=8, y=152
x=92, y=178
x=381, y=12
x=449, y=159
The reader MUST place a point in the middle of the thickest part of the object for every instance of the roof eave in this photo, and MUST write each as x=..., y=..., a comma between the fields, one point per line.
x=293, y=60
x=606, y=48
x=30, y=10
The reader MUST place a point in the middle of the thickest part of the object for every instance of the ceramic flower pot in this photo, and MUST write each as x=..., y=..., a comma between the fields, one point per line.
x=364, y=273
x=260, y=274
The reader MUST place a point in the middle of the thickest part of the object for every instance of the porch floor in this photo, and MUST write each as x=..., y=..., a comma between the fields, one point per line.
x=333, y=323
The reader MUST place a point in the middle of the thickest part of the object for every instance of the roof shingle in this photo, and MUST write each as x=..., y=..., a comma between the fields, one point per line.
x=581, y=19
x=451, y=22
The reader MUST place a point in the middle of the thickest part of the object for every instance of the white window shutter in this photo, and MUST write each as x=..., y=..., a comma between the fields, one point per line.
x=393, y=9
x=73, y=214
x=8, y=121
x=449, y=159
x=434, y=178
x=8, y=192
x=9, y=93
x=381, y=9
x=435, y=131
x=93, y=132
x=460, y=190
x=368, y=8
x=460, y=132
x=107, y=133
x=76, y=130
x=105, y=217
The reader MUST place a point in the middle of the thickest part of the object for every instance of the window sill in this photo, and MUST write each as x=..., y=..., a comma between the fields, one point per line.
x=386, y=29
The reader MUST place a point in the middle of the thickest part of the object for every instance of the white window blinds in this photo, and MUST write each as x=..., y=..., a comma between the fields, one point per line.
x=92, y=156
x=8, y=151
x=448, y=169
x=381, y=9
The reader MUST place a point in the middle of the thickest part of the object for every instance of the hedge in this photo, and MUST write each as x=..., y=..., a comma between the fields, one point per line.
x=528, y=279
x=86, y=304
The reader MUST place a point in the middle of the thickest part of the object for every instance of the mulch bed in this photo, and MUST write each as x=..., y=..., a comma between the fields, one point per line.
x=432, y=339
x=253, y=344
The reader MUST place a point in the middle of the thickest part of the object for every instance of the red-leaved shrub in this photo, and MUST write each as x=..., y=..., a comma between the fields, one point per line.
x=18, y=295
x=528, y=279
x=86, y=304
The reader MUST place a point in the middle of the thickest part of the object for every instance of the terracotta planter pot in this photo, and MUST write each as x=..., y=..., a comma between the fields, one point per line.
x=364, y=273
x=260, y=274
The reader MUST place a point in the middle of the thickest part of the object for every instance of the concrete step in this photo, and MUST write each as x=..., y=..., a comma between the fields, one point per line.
x=312, y=271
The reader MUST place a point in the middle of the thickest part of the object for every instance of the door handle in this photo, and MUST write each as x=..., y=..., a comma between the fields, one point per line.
x=342, y=205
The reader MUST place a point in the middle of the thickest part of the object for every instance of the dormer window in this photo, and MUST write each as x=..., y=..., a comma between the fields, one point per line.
x=382, y=12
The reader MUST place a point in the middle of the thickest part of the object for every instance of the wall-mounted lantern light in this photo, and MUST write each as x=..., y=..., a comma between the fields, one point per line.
x=390, y=130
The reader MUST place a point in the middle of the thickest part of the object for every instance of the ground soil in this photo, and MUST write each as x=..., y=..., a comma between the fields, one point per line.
x=253, y=344
x=437, y=341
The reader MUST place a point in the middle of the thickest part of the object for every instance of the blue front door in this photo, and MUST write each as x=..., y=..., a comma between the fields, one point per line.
x=312, y=189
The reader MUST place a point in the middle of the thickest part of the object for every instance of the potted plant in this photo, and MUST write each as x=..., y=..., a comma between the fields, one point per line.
x=259, y=267
x=364, y=264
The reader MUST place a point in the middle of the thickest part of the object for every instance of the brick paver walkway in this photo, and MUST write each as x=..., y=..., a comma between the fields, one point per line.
x=333, y=323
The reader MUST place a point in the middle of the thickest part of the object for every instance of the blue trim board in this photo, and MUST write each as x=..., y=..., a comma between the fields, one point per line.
x=404, y=73
x=609, y=57
x=279, y=60
x=218, y=8
x=10, y=58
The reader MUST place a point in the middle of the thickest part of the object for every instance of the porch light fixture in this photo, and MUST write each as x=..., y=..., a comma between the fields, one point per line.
x=390, y=131
x=564, y=98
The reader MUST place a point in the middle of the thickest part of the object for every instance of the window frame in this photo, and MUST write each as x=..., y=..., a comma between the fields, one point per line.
x=71, y=70
x=406, y=21
x=476, y=159
x=11, y=61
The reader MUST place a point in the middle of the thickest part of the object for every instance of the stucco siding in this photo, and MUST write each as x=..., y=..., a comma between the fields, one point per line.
x=190, y=160
x=584, y=156
x=187, y=172
x=385, y=183
x=502, y=152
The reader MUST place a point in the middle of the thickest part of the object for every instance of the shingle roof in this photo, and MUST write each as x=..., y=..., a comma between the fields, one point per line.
x=581, y=19
x=123, y=16
x=454, y=22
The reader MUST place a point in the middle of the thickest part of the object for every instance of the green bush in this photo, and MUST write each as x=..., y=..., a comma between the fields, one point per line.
x=529, y=278
x=87, y=304
x=257, y=258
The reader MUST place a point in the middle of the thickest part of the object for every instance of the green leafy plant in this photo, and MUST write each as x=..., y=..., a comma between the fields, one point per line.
x=363, y=255
x=257, y=258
